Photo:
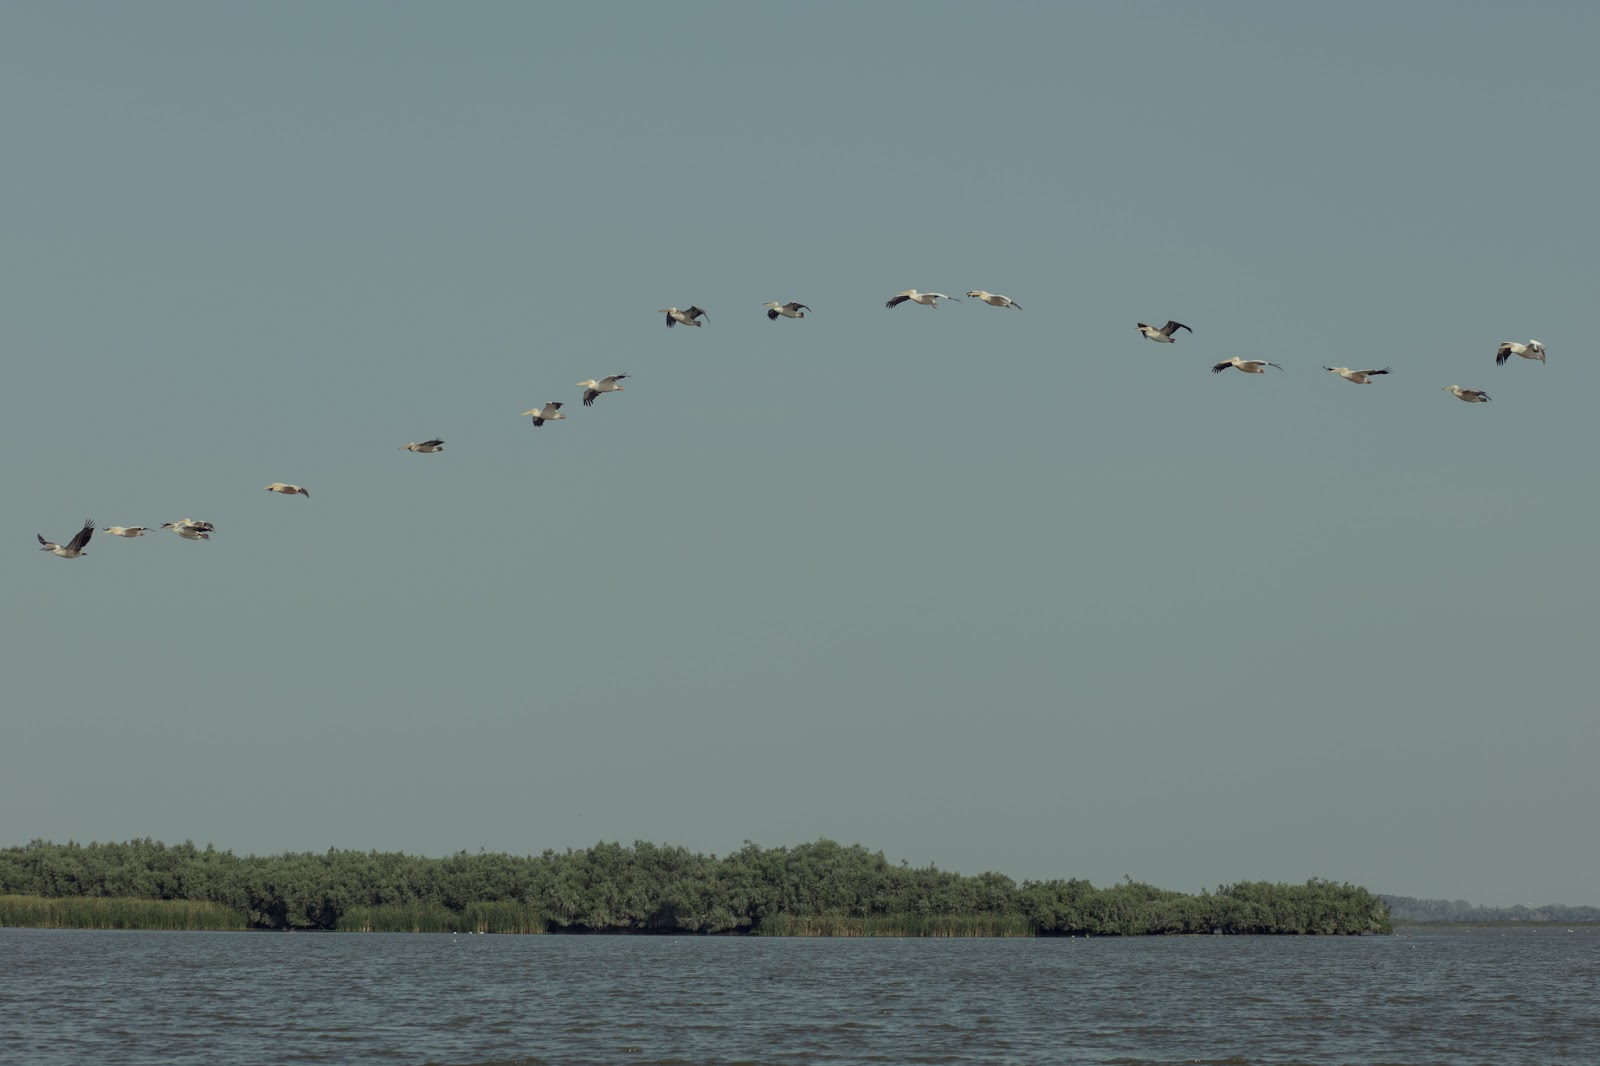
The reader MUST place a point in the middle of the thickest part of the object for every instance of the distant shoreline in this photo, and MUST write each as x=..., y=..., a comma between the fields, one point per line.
x=1495, y=923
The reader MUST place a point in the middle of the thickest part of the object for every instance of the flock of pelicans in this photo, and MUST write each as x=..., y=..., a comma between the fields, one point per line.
x=692, y=315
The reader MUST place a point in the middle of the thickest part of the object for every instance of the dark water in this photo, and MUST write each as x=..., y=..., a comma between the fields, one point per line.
x=72, y=997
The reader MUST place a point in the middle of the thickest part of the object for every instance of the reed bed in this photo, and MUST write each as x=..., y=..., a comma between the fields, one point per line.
x=104, y=912
x=897, y=925
x=501, y=916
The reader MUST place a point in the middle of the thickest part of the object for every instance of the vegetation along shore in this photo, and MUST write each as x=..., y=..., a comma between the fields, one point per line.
x=817, y=889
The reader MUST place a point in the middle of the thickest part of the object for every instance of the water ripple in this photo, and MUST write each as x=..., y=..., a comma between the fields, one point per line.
x=68, y=997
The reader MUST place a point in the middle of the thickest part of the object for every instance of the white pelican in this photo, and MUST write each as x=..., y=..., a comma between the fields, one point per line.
x=926, y=299
x=73, y=548
x=1360, y=377
x=1249, y=366
x=548, y=413
x=1164, y=334
x=1532, y=350
x=788, y=310
x=688, y=318
x=288, y=490
x=126, y=531
x=994, y=299
x=593, y=388
x=1468, y=395
x=427, y=447
x=189, y=530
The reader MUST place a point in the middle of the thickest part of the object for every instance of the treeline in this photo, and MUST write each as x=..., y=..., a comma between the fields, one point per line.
x=816, y=889
x=1411, y=909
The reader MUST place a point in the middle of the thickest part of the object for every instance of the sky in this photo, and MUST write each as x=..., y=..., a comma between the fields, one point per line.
x=990, y=589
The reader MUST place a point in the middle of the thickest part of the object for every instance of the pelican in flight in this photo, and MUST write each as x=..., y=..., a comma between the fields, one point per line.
x=126, y=531
x=73, y=548
x=994, y=299
x=1360, y=377
x=427, y=447
x=926, y=299
x=1532, y=350
x=190, y=530
x=1468, y=395
x=690, y=317
x=1164, y=334
x=593, y=388
x=788, y=310
x=1249, y=366
x=288, y=490
x=548, y=413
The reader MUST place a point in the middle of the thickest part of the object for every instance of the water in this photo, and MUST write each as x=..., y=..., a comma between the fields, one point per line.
x=129, y=998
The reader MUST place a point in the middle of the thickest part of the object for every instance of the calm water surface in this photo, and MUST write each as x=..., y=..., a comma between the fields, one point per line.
x=128, y=998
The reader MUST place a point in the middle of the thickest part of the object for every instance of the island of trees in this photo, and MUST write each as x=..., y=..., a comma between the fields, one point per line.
x=818, y=889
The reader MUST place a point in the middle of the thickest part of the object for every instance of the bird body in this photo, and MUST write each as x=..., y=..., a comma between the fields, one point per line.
x=593, y=388
x=73, y=548
x=1532, y=350
x=1249, y=366
x=1164, y=334
x=189, y=530
x=994, y=299
x=788, y=310
x=1468, y=395
x=288, y=490
x=125, y=531
x=548, y=413
x=1360, y=377
x=926, y=299
x=427, y=447
x=688, y=317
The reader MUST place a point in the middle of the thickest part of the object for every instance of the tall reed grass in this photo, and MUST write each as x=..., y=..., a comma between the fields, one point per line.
x=102, y=912
x=897, y=925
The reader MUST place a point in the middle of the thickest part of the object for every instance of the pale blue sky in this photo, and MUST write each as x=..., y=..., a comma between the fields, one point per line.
x=1011, y=590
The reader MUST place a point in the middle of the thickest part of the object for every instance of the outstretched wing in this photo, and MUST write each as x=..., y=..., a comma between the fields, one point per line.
x=82, y=536
x=588, y=397
x=897, y=301
x=696, y=312
x=612, y=378
x=432, y=443
x=1375, y=373
x=1502, y=355
x=798, y=307
x=1220, y=367
x=1171, y=325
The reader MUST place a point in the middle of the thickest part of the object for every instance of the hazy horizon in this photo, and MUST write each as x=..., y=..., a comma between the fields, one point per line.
x=1011, y=590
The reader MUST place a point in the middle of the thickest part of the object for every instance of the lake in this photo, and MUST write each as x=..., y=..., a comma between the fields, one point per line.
x=1497, y=996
